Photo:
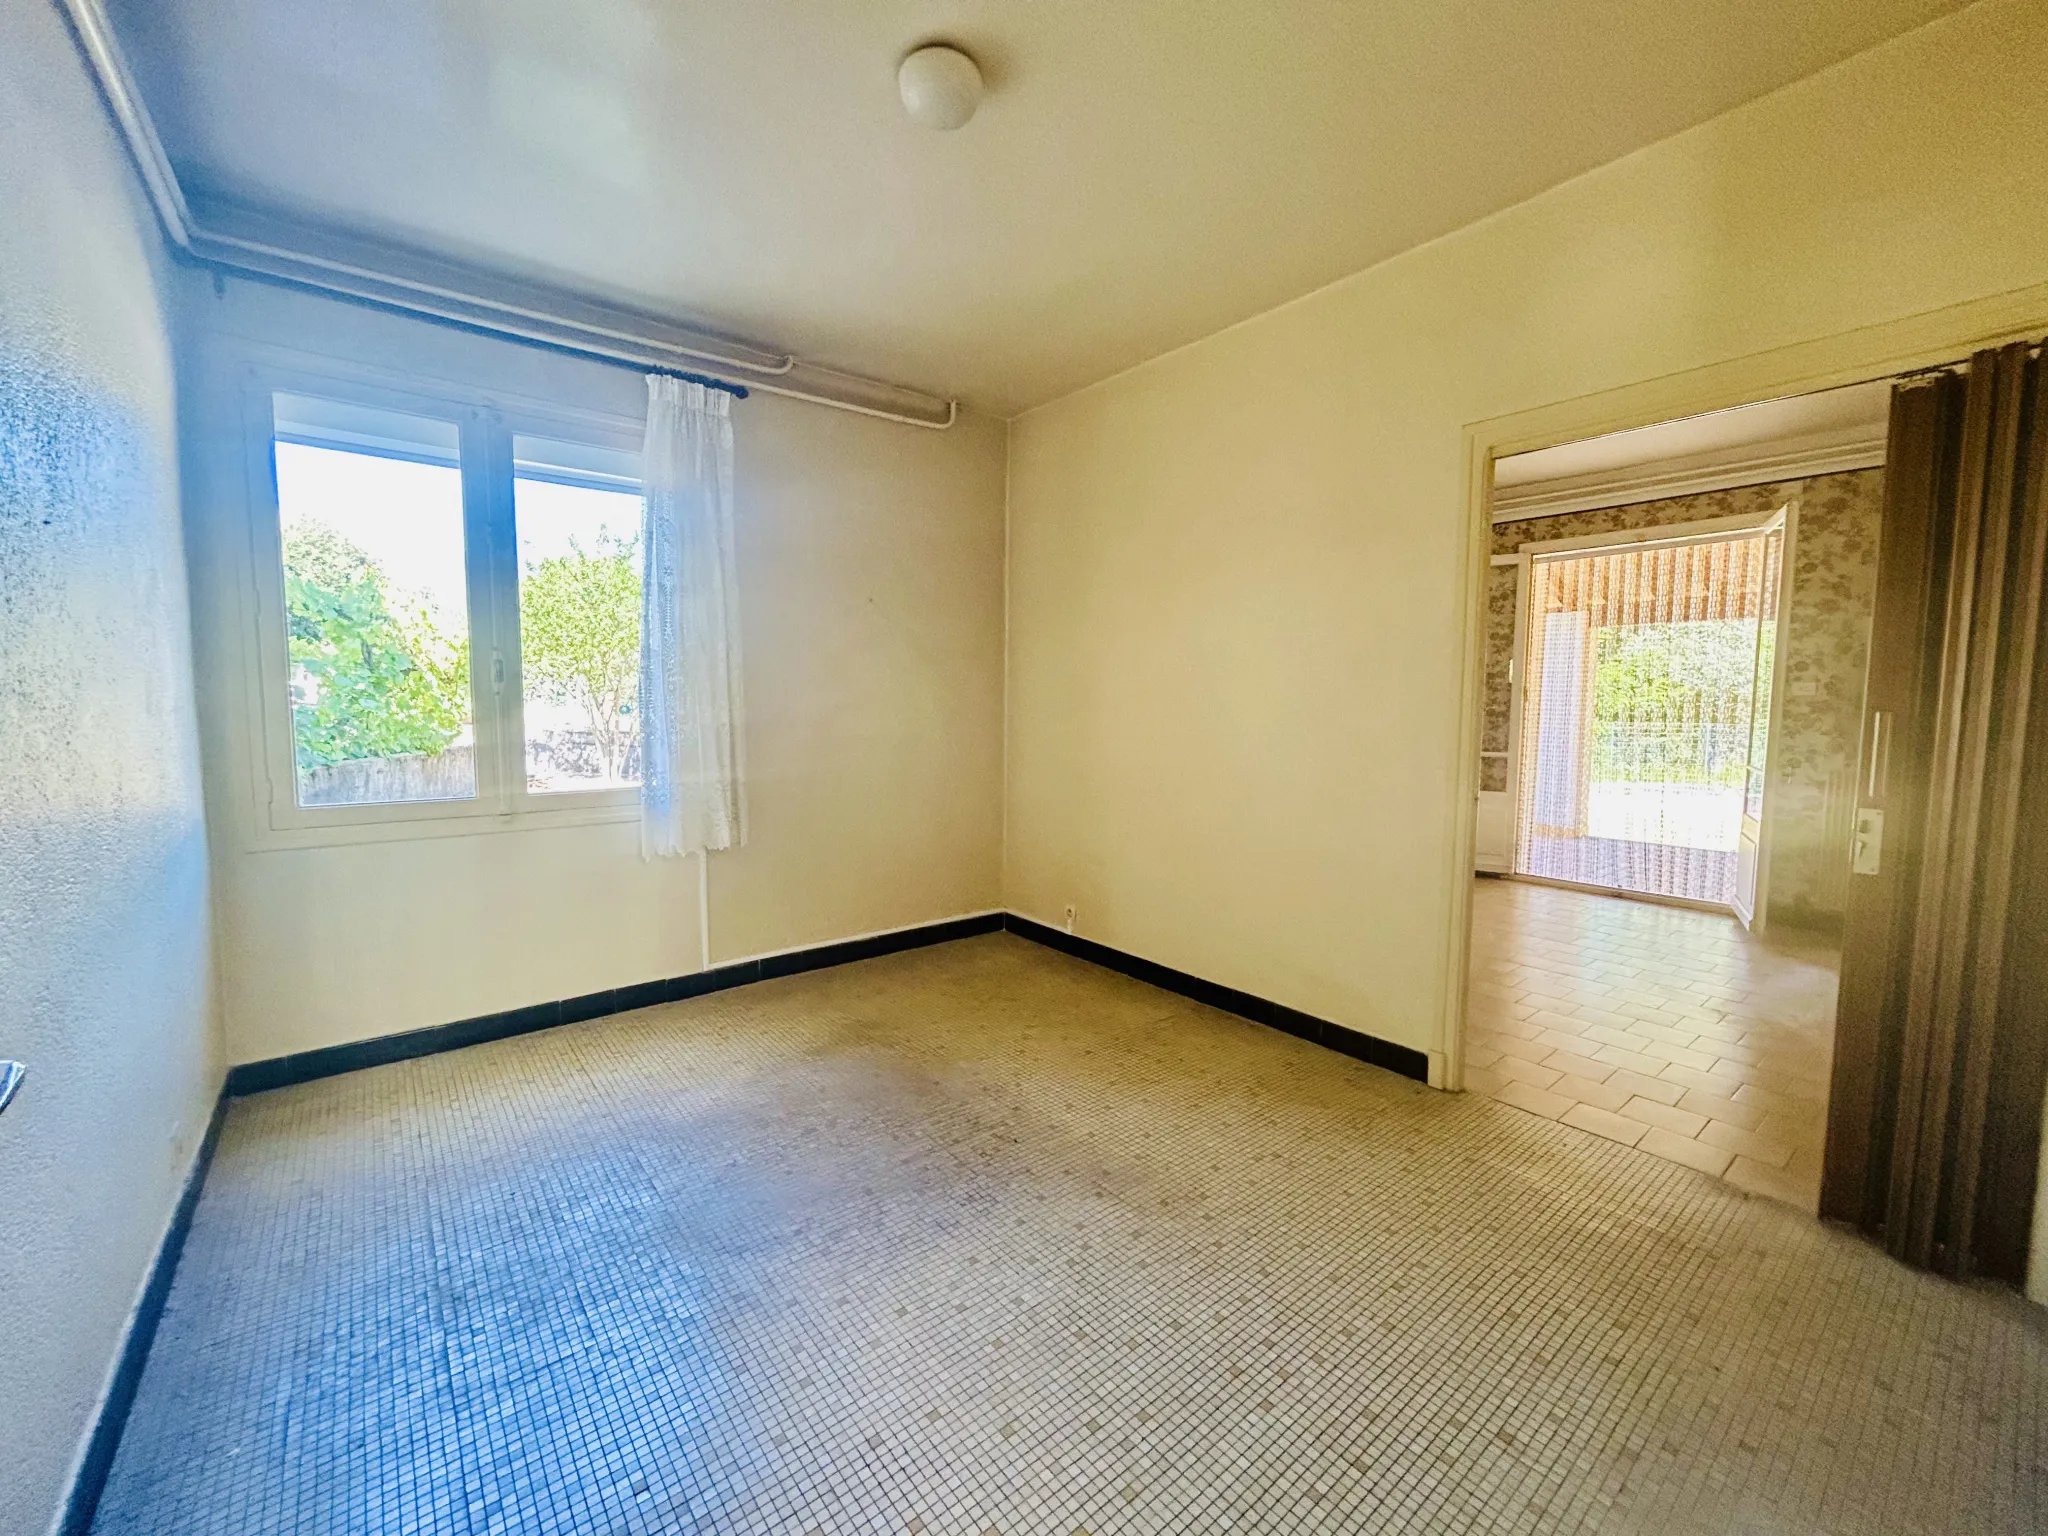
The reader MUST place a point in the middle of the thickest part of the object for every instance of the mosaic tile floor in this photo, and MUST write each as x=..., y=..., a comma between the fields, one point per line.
x=984, y=1239
x=1664, y=1028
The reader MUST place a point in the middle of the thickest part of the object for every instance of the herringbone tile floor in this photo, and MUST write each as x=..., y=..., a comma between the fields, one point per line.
x=984, y=1239
x=1664, y=1028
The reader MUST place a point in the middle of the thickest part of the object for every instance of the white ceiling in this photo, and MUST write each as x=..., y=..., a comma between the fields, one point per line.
x=1143, y=172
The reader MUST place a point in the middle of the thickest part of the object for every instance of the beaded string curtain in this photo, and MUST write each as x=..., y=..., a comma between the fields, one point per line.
x=1641, y=718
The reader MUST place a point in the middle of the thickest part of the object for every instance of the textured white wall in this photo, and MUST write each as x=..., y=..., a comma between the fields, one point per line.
x=871, y=586
x=104, y=936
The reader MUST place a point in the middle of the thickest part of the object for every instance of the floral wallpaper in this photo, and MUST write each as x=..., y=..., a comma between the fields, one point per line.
x=1826, y=638
x=1501, y=590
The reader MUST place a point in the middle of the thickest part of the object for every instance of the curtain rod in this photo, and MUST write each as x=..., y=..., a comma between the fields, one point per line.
x=737, y=391
x=575, y=325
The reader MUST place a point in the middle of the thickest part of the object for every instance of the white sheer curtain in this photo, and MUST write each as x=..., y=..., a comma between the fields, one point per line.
x=692, y=735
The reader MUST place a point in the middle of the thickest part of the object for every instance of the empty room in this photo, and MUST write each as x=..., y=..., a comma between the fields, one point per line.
x=945, y=768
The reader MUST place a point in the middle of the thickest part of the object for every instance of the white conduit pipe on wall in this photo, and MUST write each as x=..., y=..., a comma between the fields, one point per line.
x=615, y=336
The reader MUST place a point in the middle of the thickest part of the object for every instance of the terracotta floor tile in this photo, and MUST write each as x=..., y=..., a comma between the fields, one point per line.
x=1529, y=1072
x=1772, y=1099
x=1535, y=1100
x=1601, y=1122
x=1719, y=1039
x=1607, y=1034
x=1586, y=1090
x=1720, y=1031
x=1635, y=1060
x=1670, y=1034
x=1590, y=1013
x=1749, y=1144
x=1683, y=1149
x=1680, y=1122
x=1544, y=1020
x=1578, y=1066
x=1519, y=1046
x=1775, y=1183
x=1717, y=1083
x=1748, y=1116
x=1800, y=1130
x=1806, y=1164
x=1679, y=1055
x=1641, y=1087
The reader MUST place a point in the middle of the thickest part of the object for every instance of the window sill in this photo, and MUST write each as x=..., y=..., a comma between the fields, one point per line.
x=310, y=830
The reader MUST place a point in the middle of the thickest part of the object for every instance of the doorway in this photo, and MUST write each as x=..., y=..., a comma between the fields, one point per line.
x=1669, y=743
x=1925, y=845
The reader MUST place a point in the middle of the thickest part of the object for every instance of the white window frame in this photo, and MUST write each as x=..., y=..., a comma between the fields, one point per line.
x=581, y=427
x=486, y=425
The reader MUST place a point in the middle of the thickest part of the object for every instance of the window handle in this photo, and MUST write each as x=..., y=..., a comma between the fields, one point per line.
x=11, y=1074
x=497, y=671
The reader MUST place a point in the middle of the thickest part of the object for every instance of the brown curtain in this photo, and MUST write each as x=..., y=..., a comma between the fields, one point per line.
x=1935, y=1112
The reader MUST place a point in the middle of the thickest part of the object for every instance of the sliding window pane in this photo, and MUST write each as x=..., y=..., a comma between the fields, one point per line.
x=578, y=513
x=370, y=511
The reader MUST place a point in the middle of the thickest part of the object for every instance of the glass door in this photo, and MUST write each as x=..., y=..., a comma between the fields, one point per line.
x=1640, y=718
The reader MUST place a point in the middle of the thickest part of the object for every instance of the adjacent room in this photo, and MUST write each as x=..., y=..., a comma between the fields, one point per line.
x=1678, y=623
x=1067, y=769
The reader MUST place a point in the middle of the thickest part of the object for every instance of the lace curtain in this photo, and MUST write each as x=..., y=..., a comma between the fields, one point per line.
x=693, y=751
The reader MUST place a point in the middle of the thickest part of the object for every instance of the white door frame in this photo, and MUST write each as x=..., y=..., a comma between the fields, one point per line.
x=1857, y=356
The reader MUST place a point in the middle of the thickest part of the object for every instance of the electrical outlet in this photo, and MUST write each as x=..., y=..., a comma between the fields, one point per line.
x=1070, y=917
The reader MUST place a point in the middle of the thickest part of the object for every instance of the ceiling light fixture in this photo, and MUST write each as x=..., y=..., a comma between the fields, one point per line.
x=940, y=85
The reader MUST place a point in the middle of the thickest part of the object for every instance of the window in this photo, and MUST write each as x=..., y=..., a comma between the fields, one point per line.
x=453, y=622
x=369, y=507
x=577, y=511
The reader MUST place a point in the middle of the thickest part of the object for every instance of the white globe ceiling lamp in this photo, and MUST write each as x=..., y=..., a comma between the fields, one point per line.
x=940, y=85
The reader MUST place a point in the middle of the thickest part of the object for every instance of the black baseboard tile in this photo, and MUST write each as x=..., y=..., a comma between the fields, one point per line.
x=717, y=979
x=874, y=945
x=643, y=994
x=1401, y=1059
x=104, y=1439
x=382, y=1050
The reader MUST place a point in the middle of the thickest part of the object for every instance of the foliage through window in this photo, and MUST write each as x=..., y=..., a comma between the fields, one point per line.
x=376, y=612
x=418, y=672
x=577, y=509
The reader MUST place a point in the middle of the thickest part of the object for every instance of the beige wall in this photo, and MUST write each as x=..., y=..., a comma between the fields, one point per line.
x=870, y=560
x=104, y=984
x=1239, y=574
